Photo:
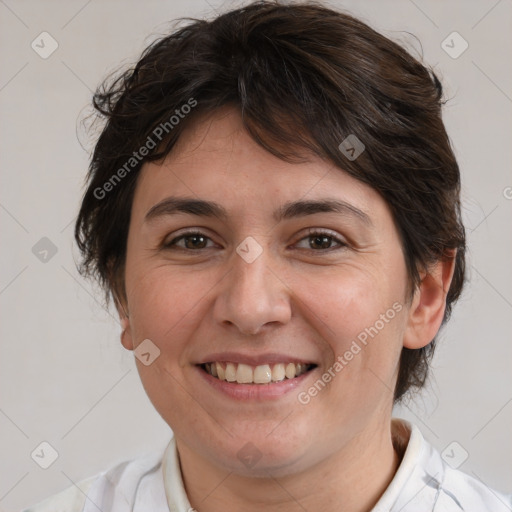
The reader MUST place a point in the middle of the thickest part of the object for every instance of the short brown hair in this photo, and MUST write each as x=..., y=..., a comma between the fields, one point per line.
x=304, y=77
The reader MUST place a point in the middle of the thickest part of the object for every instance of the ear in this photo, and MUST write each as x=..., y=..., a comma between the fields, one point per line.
x=429, y=303
x=126, y=333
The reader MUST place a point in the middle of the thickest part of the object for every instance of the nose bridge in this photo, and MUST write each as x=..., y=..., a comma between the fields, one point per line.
x=252, y=295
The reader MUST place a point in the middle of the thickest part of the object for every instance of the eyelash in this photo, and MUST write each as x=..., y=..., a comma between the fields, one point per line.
x=311, y=233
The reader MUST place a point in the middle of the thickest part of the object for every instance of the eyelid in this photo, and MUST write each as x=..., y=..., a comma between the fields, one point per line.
x=323, y=231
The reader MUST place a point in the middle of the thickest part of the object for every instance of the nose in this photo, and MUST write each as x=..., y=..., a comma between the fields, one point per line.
x=253, y=296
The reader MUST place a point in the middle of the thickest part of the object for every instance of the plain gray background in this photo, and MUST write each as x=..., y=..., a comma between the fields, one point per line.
x=64, y=376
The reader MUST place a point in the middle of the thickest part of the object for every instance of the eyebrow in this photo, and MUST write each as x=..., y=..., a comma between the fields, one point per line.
x=294, y=209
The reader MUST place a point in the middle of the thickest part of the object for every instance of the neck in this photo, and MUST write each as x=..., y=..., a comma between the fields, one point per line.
x=349, y=480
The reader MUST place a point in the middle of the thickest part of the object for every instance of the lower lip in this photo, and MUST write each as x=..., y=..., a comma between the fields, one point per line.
x=244, y=392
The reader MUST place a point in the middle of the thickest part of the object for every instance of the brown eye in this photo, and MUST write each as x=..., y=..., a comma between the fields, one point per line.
x=322, y=241
x=191, y=241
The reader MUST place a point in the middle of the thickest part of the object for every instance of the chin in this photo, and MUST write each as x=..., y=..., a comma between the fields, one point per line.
x=258, y=453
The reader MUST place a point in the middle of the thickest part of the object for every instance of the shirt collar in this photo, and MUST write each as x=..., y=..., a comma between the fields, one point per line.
x=407, y=439
x=177, y=498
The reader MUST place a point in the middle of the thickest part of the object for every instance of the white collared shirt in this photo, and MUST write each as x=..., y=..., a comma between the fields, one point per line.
x=423, y=483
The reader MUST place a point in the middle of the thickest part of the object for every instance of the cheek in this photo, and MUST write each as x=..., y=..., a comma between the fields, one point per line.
x=344, y=302
x=165, y=306
x=360, y=317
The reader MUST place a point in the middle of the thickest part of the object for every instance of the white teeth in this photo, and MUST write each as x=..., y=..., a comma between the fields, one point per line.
x=244, y=374
x=221, y=373
x=230, y=372
x=262, y=374
x=278, y=372
x=290, y=371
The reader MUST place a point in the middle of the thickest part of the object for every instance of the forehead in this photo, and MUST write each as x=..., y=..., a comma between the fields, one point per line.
x=216, y=160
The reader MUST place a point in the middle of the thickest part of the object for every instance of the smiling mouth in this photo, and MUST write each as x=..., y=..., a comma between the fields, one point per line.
x=261, y=374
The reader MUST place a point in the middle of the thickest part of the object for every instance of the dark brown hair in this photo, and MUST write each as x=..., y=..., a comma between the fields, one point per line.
x=304, y=78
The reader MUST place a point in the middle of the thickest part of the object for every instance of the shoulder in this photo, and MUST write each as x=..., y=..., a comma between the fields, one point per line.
x=104, y=488
x=426, y=481
x=71, y=499
x=453, y=490
x=470, y=494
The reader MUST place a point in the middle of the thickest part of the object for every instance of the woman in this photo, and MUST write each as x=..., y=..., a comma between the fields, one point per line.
x=273, y=205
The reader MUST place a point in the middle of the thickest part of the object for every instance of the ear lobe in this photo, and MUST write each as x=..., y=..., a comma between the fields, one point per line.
x=126, y=335
x=429, y=303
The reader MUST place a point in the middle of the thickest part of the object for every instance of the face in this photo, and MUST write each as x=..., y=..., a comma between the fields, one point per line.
x=297, y=269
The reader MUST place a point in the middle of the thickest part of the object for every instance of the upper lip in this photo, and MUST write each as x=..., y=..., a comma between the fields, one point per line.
x=252, y=359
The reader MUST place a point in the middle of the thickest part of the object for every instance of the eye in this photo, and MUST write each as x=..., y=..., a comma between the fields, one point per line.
x=192, y=240
x=320, y=240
